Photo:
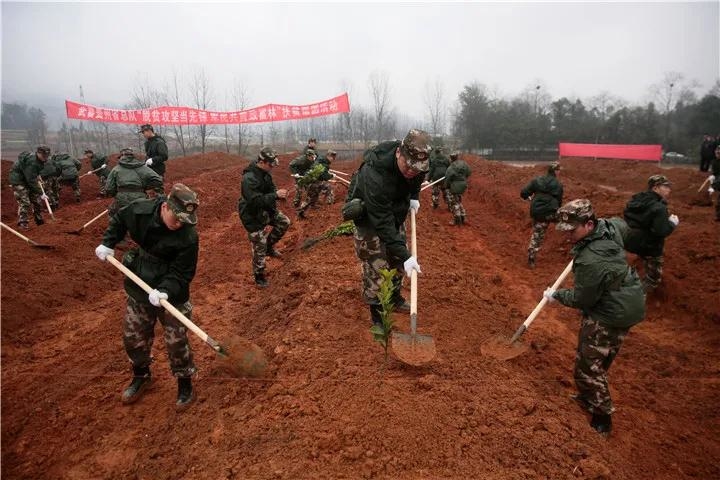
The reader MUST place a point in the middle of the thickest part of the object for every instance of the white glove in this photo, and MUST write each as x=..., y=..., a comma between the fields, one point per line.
x=548, y=293
x=44, y=197
x=711, y=190
x=155, y=296
x=296, y=175
x=415, y=205
x=410, y=265
x=674, y=219
x=711, y=178
x=104, y=165
x=103, y=252
x=149, y=162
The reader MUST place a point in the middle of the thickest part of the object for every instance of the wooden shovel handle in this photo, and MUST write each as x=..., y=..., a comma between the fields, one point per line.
x=167, y=305
x=94, y=219
x=47, y=204
x=544, y=300
x=413, y=275
x=433, y=183
x=703, y=184
x=338, y=171
x=342, y=180
x=17, y=234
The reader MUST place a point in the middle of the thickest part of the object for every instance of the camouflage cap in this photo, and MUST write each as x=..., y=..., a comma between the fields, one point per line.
x=127, y=152
x=147, y=126
x=43, y=149
x=416, y=147
x=553, y=167
x=309, y=152
x=657, y=180
x=454, y=155
x=184, y=203
x=267, y=154
x=573, y=214
x=331, y=153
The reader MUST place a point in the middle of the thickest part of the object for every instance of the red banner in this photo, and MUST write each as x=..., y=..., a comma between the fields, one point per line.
x=191, y=116
x=627, y=152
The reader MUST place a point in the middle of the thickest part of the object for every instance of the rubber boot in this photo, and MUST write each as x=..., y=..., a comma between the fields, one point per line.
x=602, y=423
x=186, y=394
x=140, y=382
x=375, y=315
x=462, y=220
x=39, y=220
x=455, y=221
x=260, y=280
x=23, y=226
x=531, y=261
x=272, y=251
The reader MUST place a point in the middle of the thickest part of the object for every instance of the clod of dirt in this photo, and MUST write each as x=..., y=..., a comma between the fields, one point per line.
x=244, y=358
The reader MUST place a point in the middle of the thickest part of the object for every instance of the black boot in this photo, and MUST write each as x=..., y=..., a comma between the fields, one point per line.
x=601, y=422
x=455, y=221
x=140, y=382
x=531, y=261
x=462, y=219
x=39, y=220
x=273, y=252
x=401, y=306
x=260, y=280
x=375, y=315
x=186, y=394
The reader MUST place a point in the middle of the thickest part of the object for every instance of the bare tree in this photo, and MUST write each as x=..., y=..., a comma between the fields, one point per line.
x=174, y=98
x=433, y=96
x=671, y=90
x=241, y=100
x=379, y=87
x=201, y=94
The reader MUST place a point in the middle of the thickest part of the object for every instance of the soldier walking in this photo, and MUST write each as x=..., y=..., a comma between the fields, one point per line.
x=164, y=229
x=96, y=162
x=438, y=165
x=69, y=169
x=456, y=184
x=156, y=151
x=610, y=297
x=24, y=177
x=545, y=194
x=258, y=209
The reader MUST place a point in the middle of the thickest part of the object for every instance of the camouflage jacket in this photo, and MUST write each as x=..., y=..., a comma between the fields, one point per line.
x=69, y=167
x=257, y=204
x=166, y=260
x=326, y=175
x=456, y=177
x=606, y=289
x=156, y=148
x=547, y=194
x=50, y=169
x=386, y=194
x=438, y=164
x=130, y=179
x=300, y=165
x=646, y=214
x=25, y=171
x=98, y=161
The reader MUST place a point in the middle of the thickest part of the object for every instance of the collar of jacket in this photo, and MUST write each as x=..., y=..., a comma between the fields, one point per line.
x=600, y=231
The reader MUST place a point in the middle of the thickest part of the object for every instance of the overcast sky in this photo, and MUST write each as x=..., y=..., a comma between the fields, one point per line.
x=300, y=53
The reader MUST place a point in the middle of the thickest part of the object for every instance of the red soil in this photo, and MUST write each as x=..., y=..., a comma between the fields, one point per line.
x=332, y=408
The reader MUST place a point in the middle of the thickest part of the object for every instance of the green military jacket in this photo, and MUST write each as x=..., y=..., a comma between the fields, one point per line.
x=51, y=169
x=25, y=171
x=257, y=204
x=605, y=289
x=647, y=215
x=300, y=165
x=98, y=161
x=547, y=194
x=456, y=177
x=129, y=180
x=326, y=175
x=438, y=164
x=166, y=260
x=386, y=194
x=69, y=167
x=156, y=148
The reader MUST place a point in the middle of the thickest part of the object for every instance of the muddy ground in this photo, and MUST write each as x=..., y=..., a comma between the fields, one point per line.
x=332, y=408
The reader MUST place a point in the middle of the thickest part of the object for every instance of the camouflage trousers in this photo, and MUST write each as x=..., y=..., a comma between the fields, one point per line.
x=537, y=237
x=139, y=333
x=653, y=267
x=455, y=204
x=598, y=346
x=312, y=194
x=103, y=185
x=74, y=183
x=298, y=195
x=326, y=189
x=437, y=191
x=26, y=201
x=373, y=257
x=261, y=241
x=52, y=190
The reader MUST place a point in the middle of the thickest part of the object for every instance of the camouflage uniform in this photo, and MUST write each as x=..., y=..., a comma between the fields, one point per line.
x=455, y=182
x=49, y=177
x=545, y=194
x=259, y=240
x=24, y=177
x=300, y=166
x=438, y=165
x=610, y=296
x=139, y=334
x=715, y=170
x=373, y=256
x=69, y=170
x=26, y=201
x=325, y=187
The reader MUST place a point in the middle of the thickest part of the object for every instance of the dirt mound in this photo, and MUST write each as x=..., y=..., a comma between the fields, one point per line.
x=331, y=407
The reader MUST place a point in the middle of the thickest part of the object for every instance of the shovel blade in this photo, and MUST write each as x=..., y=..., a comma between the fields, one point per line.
x=242, y=358
x=502, y=348
x=413, y=349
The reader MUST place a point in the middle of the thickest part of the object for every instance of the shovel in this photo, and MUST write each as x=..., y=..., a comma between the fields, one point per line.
x=32, y=243
x=93, y=171
x=242, y=358
x=47, y=204
x=504, y=350
x=79, y=231
x=703, y=184
x=413, y=349
x=338, y=172
x=342, y=180
x=433, y=183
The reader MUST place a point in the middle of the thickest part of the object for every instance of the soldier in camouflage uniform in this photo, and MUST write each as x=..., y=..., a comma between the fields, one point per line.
x=647, y=216
x=69, y=173
x=99, y=162
x=23, y=178
x=156, y=151
x=609, y=295
x=311, y=145
x=49, y=176
x=385, y=187
x=545, y=194
x=299, y=167
x=164, y=229
x=438, y=165
x=715, y=180
x=326, y=187
x=258, y=209
x=455, y=182
x=130, y=179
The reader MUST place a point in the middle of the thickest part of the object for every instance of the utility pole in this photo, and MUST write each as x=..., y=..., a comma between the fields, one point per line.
x=667, y=115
